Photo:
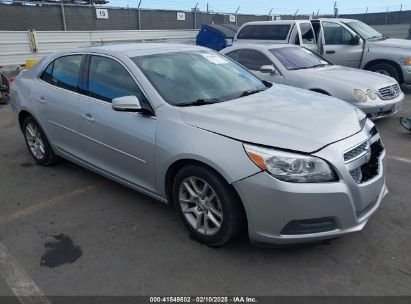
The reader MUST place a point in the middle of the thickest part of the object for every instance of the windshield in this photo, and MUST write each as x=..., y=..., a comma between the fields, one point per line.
x=364, y=30
x=182, y=78
x=296, y=58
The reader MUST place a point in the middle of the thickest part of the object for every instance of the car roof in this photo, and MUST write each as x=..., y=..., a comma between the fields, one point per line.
x=275, y=22
x=336, y=19
x=137, y=48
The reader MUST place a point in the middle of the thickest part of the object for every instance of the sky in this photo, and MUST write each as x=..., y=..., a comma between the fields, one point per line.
x=279, y=7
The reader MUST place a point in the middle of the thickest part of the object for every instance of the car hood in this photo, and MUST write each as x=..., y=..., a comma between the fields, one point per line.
x=281, y=117
x=349, y=77
x=393, y=42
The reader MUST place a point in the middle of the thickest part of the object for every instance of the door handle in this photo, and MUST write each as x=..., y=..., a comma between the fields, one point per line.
x=330, y=52
x=88, y=117
x=41, y=99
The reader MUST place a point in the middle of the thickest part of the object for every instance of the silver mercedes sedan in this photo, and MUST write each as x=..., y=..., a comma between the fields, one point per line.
x=376, y=94
x=190, y=127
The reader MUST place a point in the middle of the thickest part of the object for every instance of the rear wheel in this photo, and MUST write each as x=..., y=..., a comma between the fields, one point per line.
x=386, y=69
x=207, y=205
x=37, y=142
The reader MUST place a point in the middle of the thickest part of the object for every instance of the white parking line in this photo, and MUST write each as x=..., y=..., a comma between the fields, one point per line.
x=18, y=280
x=401, y=159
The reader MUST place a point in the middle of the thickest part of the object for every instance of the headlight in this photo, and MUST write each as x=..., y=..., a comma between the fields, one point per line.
x=408, y=61
x=291, y=167
x=371, y=94
x=360, y=95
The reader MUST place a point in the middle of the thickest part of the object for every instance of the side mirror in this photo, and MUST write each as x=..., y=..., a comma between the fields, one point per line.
x=268, y=69
x=126, y=104
x=356, y=40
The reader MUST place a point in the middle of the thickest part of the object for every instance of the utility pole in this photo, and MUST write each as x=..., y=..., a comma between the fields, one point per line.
x=269, y=15
x=139, y=15
x=207, y=7
x=236, y=23
x=335, y=10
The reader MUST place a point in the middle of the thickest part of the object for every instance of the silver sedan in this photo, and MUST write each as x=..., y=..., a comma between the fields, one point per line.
x=190, y=127
x=377, y=95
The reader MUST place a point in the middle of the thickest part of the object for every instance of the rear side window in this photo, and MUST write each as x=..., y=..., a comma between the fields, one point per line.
x=264, y=32
x=48, y=73
x=234, y=55
x=64, y=72
x=108, y=79
x=251, y=59
x=307, y=33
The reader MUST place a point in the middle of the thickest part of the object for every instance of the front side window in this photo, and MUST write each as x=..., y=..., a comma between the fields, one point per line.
x=297, y=58
x=307, y=33
x=186, y=77
x=265, y=32
x=252, y=60
x=108, y=79
x=64, y=72
x=336, y=34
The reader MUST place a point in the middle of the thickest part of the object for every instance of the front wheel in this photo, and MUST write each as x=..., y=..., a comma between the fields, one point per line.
x=386, y=69
x=37, y=142
x=207, y=205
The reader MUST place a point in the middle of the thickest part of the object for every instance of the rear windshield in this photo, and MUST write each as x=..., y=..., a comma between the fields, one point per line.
x=297, y=58
x=265, y=31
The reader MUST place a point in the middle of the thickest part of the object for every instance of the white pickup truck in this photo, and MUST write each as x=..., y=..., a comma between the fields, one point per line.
x=345, y=42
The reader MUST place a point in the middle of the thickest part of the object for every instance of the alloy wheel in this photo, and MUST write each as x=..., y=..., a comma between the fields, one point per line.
x=200, y=205
x=34, y=141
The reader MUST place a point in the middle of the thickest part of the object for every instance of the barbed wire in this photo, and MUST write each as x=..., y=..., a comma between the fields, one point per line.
x=218, y=7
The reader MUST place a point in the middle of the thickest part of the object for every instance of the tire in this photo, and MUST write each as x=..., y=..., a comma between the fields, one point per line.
x=224, y=208
x=386, y=69
x=37, y=143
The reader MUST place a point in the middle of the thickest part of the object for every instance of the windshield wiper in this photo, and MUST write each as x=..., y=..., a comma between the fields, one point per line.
x=377, y=36
x=199, y=102
x=320, y=65
x=250, y=92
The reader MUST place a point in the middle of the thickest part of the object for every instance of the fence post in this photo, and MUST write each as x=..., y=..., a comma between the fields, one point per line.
x=236, y=13
x=139, y=15
x=386, y=16
x=63, y=16
x=195, y=16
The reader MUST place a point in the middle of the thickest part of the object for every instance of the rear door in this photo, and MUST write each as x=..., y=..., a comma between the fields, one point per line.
x=307, y=36
x=118, y=143
x=339, y=45
x=55, y=95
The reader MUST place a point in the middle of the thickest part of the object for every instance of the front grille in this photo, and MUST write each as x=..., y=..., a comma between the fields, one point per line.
x=356, y=152
x=389, y=92
x=371, y=169
x=373, y=131
x=368, y=157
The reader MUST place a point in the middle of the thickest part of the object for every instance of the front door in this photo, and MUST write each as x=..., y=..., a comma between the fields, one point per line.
x=339, y=45
x=118, y=143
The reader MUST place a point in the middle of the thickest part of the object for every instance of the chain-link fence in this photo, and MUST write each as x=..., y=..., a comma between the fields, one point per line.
x=58, y=16
x=73, y=17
